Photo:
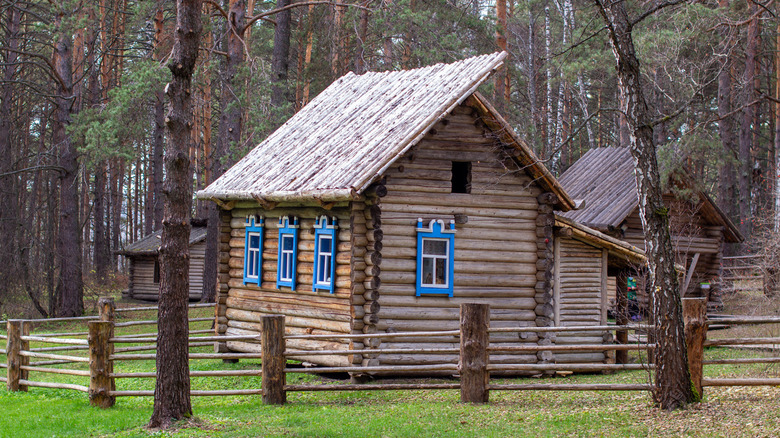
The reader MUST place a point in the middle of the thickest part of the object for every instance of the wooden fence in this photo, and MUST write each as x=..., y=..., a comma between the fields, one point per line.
x=745, y=273
x=474, y=368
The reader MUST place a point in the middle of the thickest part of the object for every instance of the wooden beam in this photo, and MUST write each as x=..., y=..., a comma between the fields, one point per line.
x=224, y=205
x=690, y=273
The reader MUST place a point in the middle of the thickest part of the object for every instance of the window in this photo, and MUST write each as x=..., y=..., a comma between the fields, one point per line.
x=461, y=177
x=288, y=252
x=253, y=249
x=156, y=278
x=435, y=257
x=325, y=254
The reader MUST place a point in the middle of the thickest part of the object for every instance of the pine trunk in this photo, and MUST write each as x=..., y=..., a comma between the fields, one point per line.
x=172, y=388
x=280, y=57
x=70, y=286
x=745, y=173
x=672, y=377
x=8, y=182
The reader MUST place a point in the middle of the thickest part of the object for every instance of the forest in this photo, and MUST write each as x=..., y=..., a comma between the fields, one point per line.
x=82, y=106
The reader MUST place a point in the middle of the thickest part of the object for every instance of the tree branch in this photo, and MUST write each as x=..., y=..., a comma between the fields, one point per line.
x=263, y=15
x=655, y=9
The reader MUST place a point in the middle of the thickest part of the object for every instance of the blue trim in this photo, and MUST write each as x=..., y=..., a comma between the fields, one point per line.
x=322, y=228
x=436, y=230
x=253, y=225
x=287, y=230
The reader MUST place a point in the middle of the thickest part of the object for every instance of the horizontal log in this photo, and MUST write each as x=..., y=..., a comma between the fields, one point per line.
x=33, y=383
x=411, y=302
x=287, y=309
x=293, y=321
x=571, y=387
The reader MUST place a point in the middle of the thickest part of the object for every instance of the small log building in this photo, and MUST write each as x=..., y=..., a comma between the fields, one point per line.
x=604, y=180
x=388, y=201
x=144, y=269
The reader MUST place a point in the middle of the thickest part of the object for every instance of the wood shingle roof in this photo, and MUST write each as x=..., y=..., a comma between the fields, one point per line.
x=345, y=139
x=150, y=244
x=604, y=178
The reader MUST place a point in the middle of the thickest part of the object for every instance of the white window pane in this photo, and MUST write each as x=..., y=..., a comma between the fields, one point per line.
x=427, y=271
x=287, y=242
x=434, y=247
x=254, y=241
x=441, y=271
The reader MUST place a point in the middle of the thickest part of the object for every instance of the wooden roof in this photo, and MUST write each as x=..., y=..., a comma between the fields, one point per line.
x=345, y=138
x=604, y=179
x=621, y=253
x=150, y=244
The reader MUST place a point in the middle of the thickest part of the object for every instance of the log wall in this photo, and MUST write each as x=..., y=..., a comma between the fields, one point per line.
x=143, y=287
x=306, y=311
x=691, y=234
x=580, y=296
x=496, y=242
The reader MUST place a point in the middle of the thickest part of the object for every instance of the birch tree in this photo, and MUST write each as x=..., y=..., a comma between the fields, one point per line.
x=673, y=387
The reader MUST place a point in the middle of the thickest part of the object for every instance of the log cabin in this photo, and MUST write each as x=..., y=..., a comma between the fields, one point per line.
x=385, y=203
x=144, y=267
x=604, y=180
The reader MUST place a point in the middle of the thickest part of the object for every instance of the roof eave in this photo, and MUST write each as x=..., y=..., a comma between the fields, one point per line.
x=611, y=244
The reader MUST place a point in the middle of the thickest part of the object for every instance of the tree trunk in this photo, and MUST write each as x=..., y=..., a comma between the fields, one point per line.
x=726, y=198
x=280, y=57
x=745, y=173
x=672, y=377
x=360, y=61
x=8, y=182
x=101, y=248
x=776, y=149
x=502, y=73
x=159, y=130
x=172, y=389
x=70, y=286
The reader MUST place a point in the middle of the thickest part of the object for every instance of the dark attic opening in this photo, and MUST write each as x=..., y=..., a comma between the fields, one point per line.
x=461, y=177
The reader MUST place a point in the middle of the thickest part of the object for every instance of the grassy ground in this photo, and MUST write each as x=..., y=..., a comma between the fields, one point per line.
x=725, y=412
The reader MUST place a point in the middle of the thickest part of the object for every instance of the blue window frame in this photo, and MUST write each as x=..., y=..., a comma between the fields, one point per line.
x=435, y=257
x=253, y=250
x=288, y=252
x=325, y=254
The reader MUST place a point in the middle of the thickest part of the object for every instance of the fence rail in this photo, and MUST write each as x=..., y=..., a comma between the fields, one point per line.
x=471, y=361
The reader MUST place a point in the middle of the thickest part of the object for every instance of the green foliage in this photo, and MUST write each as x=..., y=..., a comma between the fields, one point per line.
x=123, y=122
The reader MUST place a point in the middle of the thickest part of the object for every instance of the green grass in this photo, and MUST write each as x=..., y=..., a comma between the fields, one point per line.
x=725, y=411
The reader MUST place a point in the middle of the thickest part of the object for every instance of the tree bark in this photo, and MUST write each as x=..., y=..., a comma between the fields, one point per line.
x=8, y=182
x=70, y=286
x=502, y=74
x=280, y=57
x=672, y=377
x=172, y=389
x=726, y=196
x=156, y=196
x=745, y=173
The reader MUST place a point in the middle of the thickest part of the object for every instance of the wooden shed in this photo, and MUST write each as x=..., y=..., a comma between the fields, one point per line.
x=604, y=179
x=383, y=205
x=144, y=269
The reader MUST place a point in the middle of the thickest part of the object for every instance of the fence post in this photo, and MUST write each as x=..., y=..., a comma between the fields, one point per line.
x=106, y=309
x=695, y=316
x=16, y=329
x=474, y=358
x=273, y=362
x=100, y=365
